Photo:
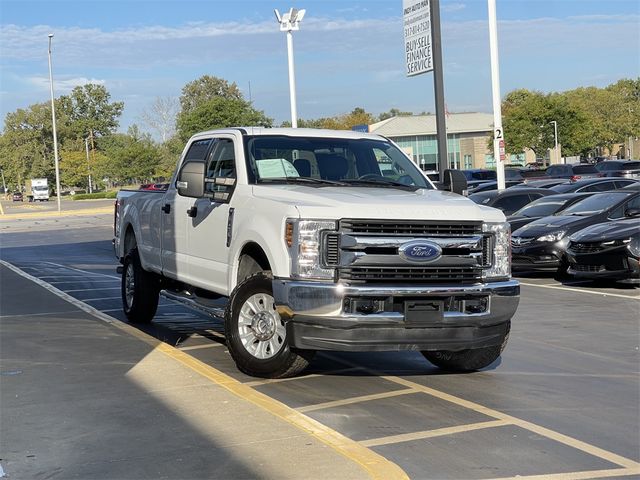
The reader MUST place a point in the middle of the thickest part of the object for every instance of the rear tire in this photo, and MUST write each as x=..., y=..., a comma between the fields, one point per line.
x=466, y=360
x=140, y=290
x=257, y=336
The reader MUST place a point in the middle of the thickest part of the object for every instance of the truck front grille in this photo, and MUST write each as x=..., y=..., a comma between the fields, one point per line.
x=417, y=228
x=409, y=275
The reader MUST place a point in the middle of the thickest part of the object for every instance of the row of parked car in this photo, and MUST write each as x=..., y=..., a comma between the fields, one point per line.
x=479, y=180
x=589, y=228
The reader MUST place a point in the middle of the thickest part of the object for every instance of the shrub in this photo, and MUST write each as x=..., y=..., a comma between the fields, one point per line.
x=92, y=196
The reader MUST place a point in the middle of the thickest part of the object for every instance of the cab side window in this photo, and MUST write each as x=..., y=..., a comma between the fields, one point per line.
x=221, y=169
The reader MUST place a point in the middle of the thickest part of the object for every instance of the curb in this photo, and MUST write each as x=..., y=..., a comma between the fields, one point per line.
x=56, y=214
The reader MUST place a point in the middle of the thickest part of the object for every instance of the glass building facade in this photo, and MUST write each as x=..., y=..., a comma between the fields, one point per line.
x=425, y=150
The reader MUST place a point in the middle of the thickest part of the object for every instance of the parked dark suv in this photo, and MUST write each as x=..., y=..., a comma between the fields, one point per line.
x=619, y=168
x=572, y=172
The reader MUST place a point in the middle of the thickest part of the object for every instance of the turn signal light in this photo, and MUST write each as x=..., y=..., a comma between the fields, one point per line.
x=288, y=234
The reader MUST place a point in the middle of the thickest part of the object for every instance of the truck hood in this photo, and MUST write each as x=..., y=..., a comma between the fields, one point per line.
x=372, y=202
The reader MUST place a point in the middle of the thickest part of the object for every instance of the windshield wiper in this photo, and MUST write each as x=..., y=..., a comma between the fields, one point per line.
x=381, y=182
x=308, y=180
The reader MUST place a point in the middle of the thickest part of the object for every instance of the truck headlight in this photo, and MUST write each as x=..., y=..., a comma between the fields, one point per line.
x=304, y=242
x=501, y=255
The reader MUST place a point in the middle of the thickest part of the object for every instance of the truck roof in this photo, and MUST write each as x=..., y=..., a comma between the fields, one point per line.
x=294, y=132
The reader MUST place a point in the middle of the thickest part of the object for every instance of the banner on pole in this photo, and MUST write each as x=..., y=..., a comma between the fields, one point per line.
x=416, y=17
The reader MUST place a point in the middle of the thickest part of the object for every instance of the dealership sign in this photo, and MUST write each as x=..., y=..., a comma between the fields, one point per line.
x=416, y=15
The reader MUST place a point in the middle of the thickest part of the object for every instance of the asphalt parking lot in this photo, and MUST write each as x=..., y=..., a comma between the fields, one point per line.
x=563, y=402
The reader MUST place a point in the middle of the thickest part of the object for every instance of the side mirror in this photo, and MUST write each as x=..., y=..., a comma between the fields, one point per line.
x=191, y=180
x=455, y=181
x=632, y=212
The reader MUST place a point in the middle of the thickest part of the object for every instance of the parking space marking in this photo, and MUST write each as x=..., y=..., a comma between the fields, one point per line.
x=117, y=277
x=90, y=289
x=377, y=466
x=99, y=299
x=269, y=381
x=76, y=281
x=581, y=290
x=532, y=427
x=614, y=472
x=352, y=400
x=407, y=437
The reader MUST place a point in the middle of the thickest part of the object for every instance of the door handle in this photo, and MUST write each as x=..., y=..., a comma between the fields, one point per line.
x=192, y=212
x=166, y=208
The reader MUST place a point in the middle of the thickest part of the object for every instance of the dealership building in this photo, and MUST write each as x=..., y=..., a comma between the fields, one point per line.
x=468, y=138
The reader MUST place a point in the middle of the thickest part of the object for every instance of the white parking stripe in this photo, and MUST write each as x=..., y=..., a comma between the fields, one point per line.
x=582, y=290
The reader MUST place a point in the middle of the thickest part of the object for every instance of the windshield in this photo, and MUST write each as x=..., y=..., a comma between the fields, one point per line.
x=39, y=188
x=321, y=161
x=595, y=204
x=542, y=207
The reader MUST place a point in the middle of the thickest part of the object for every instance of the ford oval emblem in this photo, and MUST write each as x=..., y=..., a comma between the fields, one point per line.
x=419, y=251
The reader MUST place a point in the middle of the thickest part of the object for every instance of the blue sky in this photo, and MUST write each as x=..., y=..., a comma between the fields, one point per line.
x=348, y=53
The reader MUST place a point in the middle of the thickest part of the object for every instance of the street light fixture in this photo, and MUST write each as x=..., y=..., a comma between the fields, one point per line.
x=289, y=22
x=555, y=136
x=55, y=135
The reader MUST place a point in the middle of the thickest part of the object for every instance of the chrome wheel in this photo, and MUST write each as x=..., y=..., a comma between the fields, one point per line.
x=129, y=285
x=260, y=328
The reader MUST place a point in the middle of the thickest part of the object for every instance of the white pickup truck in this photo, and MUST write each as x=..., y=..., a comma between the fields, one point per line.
x=316, y=247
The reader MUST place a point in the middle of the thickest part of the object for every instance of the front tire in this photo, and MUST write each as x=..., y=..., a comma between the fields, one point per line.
x=140, y=290
x=467, y=360
x=257, y=336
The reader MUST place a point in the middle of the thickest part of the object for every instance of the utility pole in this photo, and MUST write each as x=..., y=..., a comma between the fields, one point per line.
x=438, y=89
x=86, y=147
x=498, y=132
x=55, y=135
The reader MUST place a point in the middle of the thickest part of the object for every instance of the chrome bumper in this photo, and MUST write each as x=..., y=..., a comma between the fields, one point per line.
x=326, y=316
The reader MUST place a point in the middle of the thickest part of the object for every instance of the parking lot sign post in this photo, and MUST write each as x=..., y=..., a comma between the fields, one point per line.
x=423, y=53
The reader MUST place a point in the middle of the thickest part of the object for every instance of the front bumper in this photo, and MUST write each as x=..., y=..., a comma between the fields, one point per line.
x=616, y=265
x=537, y=256
x=328, y=316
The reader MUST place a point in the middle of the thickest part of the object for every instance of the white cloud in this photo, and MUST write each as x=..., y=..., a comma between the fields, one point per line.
x=61, y=85
x=452, y=7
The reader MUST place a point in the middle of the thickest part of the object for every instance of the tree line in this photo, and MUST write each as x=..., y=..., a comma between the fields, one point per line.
x=87, y=120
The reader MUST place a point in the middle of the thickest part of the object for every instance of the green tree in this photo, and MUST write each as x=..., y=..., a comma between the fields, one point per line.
x=394, y=112
x=220, y=112
x=90, y=111
x=206, y=88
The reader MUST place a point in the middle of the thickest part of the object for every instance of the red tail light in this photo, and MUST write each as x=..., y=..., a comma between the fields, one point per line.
x=575, y=178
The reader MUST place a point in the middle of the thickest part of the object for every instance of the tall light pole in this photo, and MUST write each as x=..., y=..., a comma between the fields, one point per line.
x=86, y=147
x=555, y=137
x=289, y=22
x=55, y=135
x=498, y=132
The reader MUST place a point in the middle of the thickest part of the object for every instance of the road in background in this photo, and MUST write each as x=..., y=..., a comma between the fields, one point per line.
x=564, y=399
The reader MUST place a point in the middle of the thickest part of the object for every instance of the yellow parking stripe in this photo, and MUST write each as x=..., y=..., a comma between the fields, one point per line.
x=55, y=214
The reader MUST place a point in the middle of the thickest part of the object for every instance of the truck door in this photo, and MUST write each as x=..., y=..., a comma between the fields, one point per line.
x=175, y=219
x=212, y=219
